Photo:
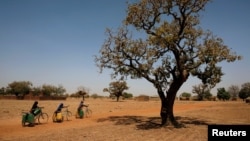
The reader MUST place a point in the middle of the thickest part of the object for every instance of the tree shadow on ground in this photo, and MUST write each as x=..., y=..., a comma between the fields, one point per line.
x=148, y=123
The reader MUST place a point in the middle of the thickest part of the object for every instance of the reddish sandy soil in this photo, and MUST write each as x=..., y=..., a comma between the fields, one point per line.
x=121, y=121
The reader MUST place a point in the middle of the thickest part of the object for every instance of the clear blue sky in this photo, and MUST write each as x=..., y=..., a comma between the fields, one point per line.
x=53, y=42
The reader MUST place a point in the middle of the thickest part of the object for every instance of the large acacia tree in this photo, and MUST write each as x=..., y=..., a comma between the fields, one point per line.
x=173, y=47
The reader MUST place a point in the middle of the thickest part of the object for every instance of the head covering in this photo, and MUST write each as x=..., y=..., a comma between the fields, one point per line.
x=35, y=105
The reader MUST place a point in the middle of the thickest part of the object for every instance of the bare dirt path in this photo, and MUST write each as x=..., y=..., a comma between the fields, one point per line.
x=126, y=120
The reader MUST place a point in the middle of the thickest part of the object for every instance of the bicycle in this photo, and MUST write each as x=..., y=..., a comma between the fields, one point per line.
x=27, y=118
x=41, y=117
x=66, y=113
x=88, y=112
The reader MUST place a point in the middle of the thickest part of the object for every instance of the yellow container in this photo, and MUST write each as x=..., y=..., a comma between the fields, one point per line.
x=59, y=117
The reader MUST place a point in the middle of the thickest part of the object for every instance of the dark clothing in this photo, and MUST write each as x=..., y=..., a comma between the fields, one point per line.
x=59, y=108
x=34, y=107
x=81, y=105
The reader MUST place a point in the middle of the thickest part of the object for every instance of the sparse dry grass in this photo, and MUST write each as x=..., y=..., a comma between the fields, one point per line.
x=121, y=121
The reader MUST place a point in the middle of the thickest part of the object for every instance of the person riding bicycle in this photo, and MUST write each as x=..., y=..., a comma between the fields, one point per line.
x=79, y=109
x=59, y=108
x=33, y=111
x=34, y=108
x=81, y=105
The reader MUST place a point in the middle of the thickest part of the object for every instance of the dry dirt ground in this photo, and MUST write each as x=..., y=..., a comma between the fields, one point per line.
x=126, y=120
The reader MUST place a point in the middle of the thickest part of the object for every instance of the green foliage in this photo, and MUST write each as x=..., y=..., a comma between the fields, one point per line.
x=116, y=88
x=207, y=95
x=222, y=94
x=37, y=91
x=50, y=90
x=127, y=95
x=2, y=91
x=202, y=91
x=20, y=88
x=95, y=96
x=234, y=91
x=245, y=91
x=185, y=94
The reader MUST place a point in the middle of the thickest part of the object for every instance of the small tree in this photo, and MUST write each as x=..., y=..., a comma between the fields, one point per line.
x=222, y=94
x=2, y=91
x=48, y=90
x=116, y=89
x=20, y=88
x=60, y=90
x=244, y=91
x=186, y=95
x=36, y=91
x=201, y=90
x=82, y=91
x=207, y=94
x=234, y=91
x=127, y=95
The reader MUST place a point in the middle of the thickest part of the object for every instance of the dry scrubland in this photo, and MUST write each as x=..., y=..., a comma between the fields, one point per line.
x=121, y=121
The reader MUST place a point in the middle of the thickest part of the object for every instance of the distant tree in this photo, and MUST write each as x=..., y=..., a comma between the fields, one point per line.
x=127, y=95
x=116, y=89
x=60, y=90
x=36, y=91
x=2, y=91
x=82, y=91
x=185, y=94
x=234, y=90
x=20, y=88
x=207, y=94
x=222, y=94
x=95, y=96
x=169, y=47
x=201, y=90
x=244, y=91
x=48, y=90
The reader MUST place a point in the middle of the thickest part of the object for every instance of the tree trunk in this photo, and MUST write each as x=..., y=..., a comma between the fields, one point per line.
x=167, y=104
x=167, y=112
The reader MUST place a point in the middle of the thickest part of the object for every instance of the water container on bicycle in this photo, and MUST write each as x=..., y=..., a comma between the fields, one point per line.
x=59, y=116
x=28, y=117
x=37, y=111
x=81, y=113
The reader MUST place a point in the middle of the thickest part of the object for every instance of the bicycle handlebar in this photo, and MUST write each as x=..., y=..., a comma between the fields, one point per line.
x=66, y=106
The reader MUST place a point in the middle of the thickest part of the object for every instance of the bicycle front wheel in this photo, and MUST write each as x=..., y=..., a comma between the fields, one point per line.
x=43, y=118
x=88, y=113
x=68, y=115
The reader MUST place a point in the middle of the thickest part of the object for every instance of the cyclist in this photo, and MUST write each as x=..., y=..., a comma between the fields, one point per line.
x=81, y=105
x=34, y=111
x=59, y=108
x=34, y=108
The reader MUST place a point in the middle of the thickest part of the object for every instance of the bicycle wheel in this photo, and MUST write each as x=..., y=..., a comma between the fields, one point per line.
x=43, y=118
x=28, y=120
x=88, y=113
x=23, y=120
x=54, y=117
x=23, y=123
x=68, y=115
